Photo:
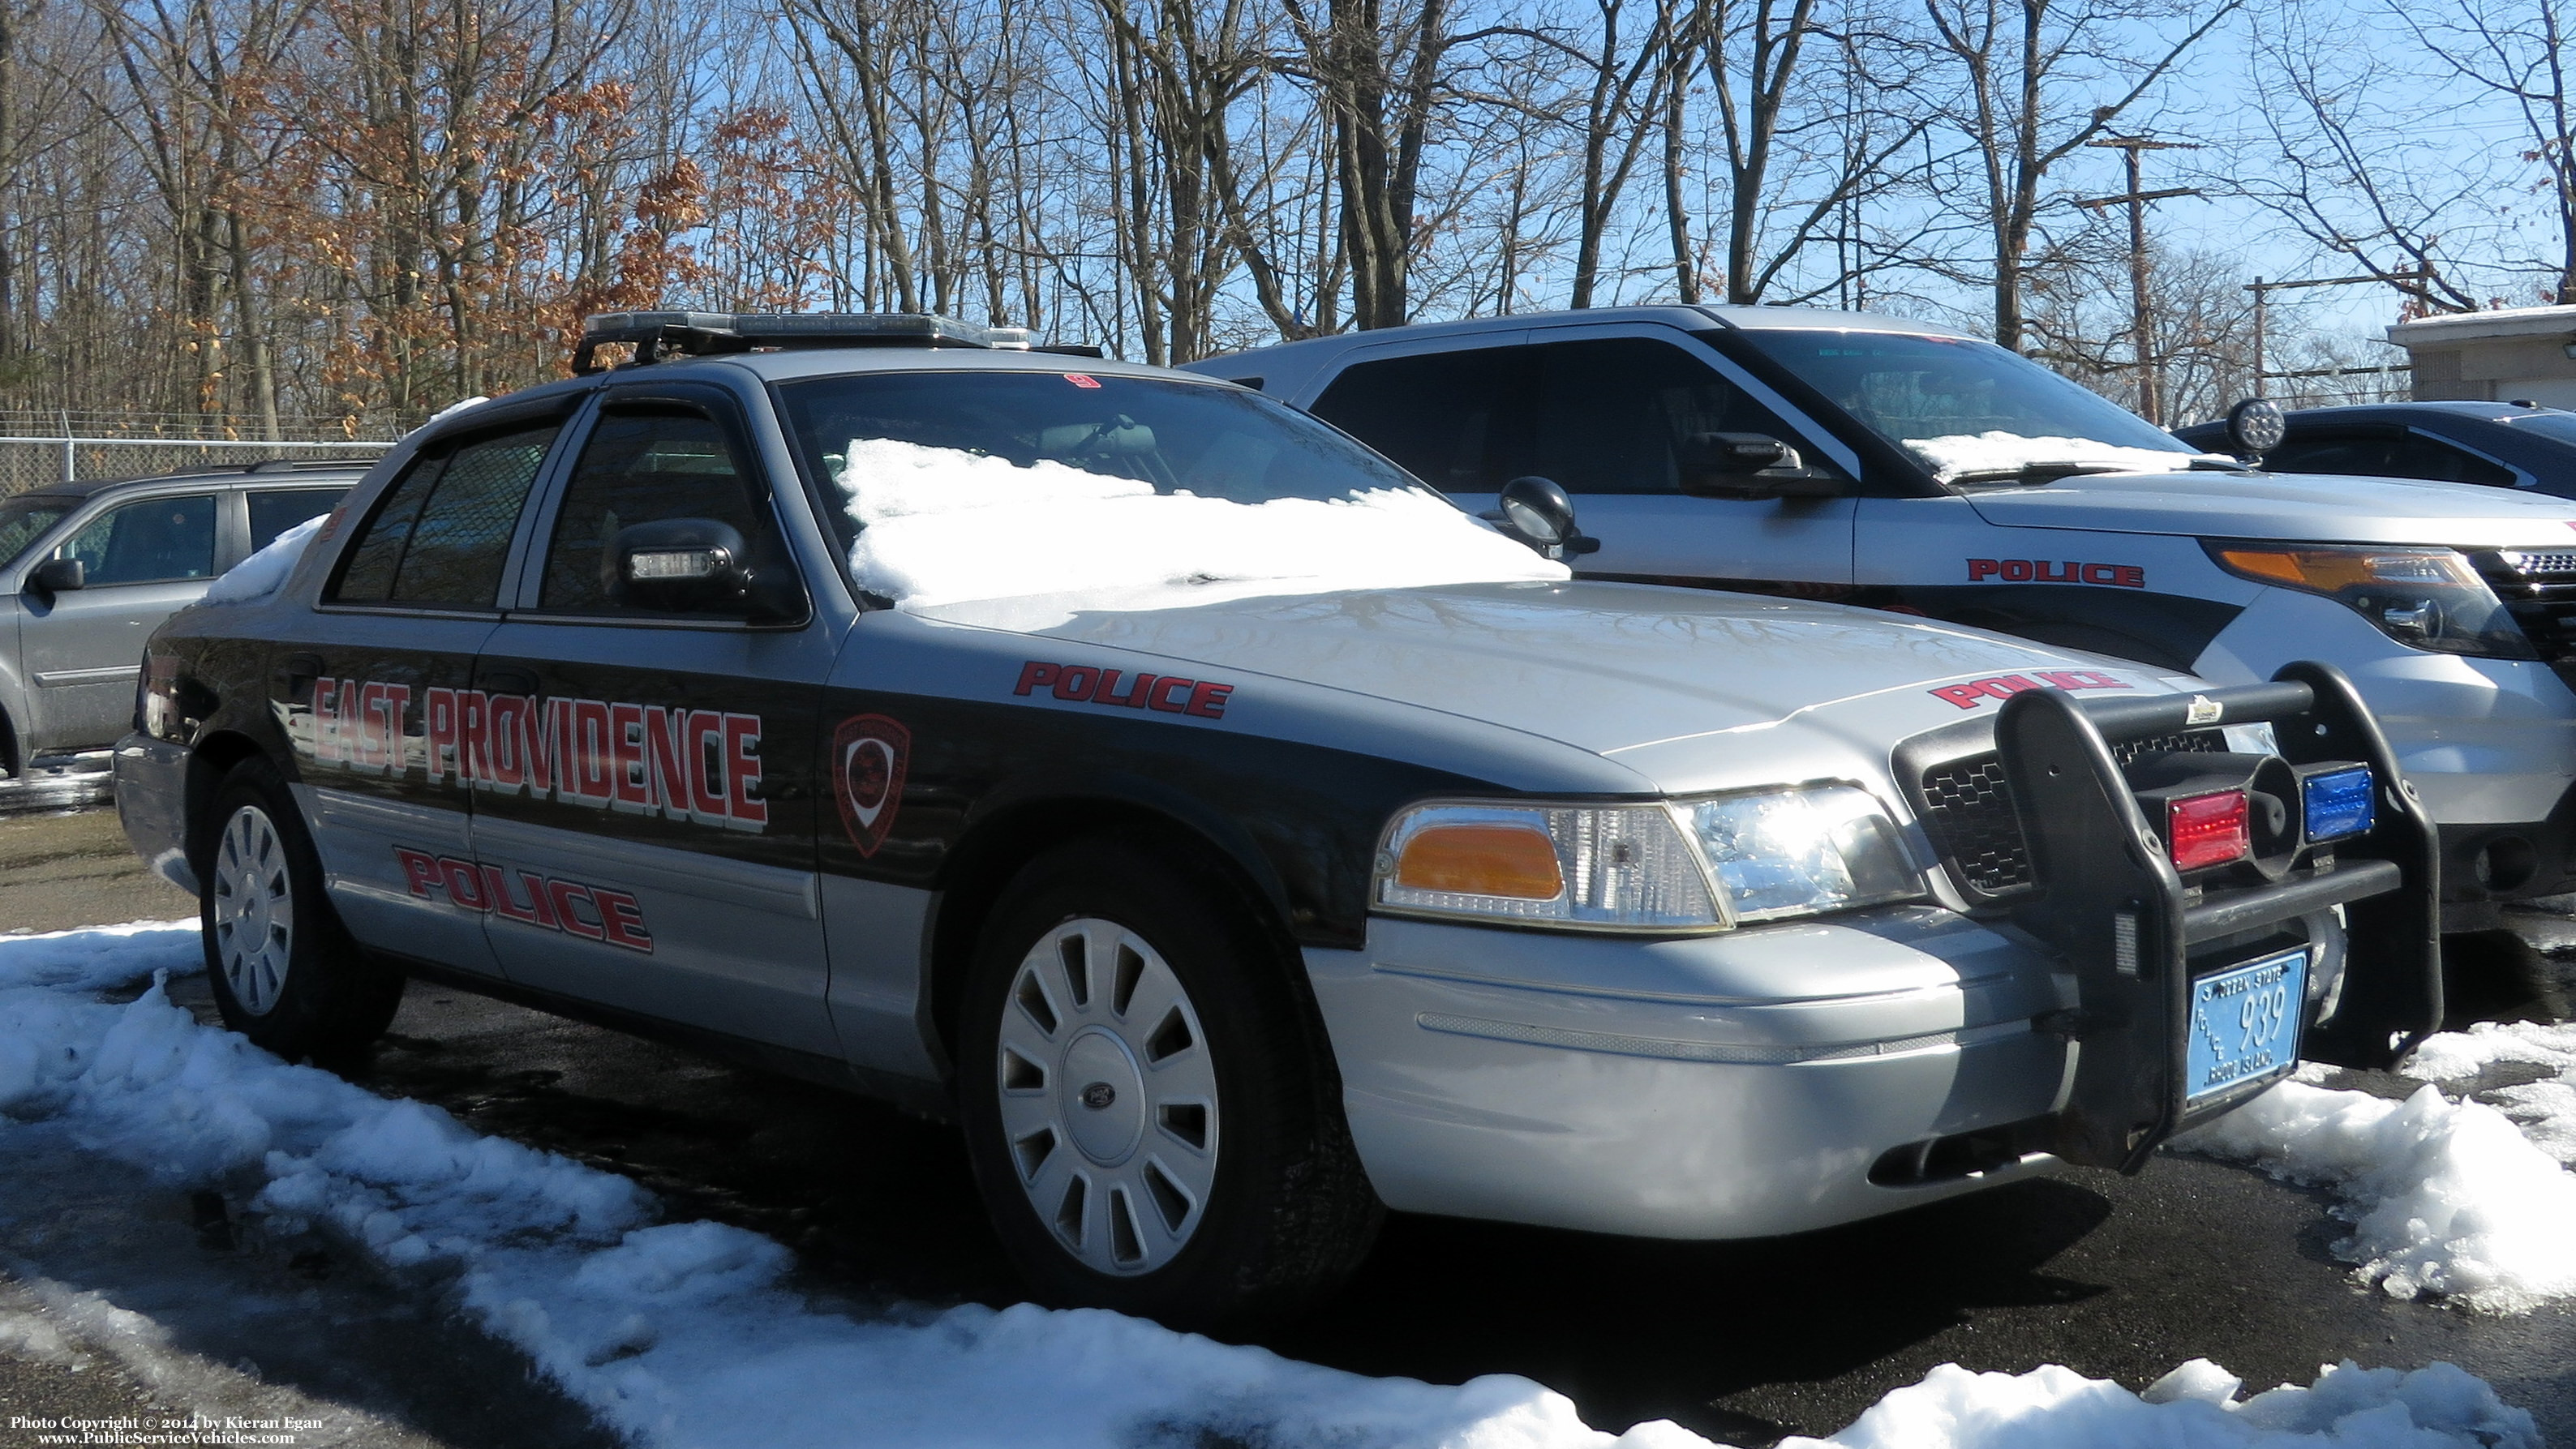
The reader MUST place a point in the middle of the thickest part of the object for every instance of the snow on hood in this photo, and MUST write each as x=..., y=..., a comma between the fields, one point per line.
x=939, y=525
x=2311, y=507
x=695, y=1333
x=259, y=575
x=1978, y=452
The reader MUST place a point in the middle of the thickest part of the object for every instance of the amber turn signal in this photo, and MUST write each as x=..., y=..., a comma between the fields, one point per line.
x=1481, y=859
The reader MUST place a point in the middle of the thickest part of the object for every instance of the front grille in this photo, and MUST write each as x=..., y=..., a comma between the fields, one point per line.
x=1968, y=812
x=2539, y=589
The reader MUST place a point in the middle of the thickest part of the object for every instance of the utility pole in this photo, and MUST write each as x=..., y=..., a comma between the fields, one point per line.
x=2263, y=291
x=2150, y=393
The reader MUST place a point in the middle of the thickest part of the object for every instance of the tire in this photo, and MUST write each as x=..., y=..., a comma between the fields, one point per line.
x=1151, y=1113
x=285, y=972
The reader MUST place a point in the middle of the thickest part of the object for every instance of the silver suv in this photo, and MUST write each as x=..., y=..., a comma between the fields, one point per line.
x=89, y=570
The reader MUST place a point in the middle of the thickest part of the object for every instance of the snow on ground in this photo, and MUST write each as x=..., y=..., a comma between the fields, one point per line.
x=945, y=526
x=258, y=576
x=2545, y=1109
x=1977, y=452
x=690, y=1334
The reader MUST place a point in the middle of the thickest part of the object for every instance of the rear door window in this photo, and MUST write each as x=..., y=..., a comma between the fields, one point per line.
x=1458, y=421
x=151, y=541
x=273, y=513
x=442, y=533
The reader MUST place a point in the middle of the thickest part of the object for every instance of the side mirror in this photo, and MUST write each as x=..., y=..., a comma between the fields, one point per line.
x=2255, y=427
x=1536, y=511
x=681, y=565
x=58, y=576
x=1747, y=465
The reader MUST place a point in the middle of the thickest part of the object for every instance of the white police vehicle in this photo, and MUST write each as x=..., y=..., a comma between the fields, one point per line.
x=1907, y=466
x=1233, y=835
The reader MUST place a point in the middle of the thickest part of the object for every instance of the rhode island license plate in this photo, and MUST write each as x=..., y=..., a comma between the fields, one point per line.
x=2245, y=1023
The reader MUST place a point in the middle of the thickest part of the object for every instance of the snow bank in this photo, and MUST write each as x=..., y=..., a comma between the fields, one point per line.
x=1977, y=452
x=2546, y=1110
x=258, y=576
x=940, y=525
x=689, y=1334
x=2194, y=1407
x=2444, y=1197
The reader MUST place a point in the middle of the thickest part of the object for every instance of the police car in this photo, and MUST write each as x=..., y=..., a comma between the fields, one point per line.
x=1233, y=835
x=1909, y=466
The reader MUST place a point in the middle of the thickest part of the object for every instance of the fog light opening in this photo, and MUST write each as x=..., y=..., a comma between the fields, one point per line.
x=2505, y=863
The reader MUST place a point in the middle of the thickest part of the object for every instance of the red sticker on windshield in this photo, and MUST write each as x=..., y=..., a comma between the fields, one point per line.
x=1079, y=380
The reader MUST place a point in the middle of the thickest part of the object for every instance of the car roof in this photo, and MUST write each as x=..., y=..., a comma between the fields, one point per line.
x=283, y=470
x=2397, y=412
x=1682, y=315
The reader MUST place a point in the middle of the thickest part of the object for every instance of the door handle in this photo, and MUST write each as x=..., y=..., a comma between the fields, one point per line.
x=293, y=678
x=506, y=679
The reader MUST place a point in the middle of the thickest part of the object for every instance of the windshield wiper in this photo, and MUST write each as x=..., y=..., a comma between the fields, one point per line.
x=2033, y=475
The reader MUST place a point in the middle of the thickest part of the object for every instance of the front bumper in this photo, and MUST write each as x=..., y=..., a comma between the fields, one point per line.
x=1707, y=1087
x=152, y=805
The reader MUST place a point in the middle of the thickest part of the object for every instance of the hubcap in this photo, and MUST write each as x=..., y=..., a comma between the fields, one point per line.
x=1108, y=1097
x=254, y=904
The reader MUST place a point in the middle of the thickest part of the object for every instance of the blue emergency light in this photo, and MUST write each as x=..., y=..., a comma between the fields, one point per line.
x=2339, y=801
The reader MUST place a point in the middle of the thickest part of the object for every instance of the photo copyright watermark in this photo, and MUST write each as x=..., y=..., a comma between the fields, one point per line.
x=152, y=1429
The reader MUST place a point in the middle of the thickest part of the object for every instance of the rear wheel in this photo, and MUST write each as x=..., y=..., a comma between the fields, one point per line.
x=284, y=970
x=1154, y=1122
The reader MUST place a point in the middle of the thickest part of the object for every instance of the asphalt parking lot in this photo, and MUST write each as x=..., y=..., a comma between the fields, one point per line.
x=2118, y=1278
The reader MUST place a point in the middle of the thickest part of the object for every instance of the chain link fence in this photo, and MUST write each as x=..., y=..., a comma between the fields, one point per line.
x=38, y=449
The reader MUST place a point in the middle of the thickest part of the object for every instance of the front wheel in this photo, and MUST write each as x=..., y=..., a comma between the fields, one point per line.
x=284, y=970
x=1152, y=1118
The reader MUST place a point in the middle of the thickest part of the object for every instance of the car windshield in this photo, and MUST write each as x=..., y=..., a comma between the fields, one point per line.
x=23, y=521
x=1966, y=408
x=989, y=484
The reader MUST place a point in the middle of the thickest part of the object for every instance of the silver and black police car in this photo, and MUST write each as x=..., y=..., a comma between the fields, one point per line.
x=1233, y=836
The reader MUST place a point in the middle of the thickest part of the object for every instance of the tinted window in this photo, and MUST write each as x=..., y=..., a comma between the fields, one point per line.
x=1611, y=414
x=24, y=520
x=441, y=534
x=158, y=540
x=2367, y=457
x=274, y=513
x=1455, y=420
x=643, y=467
x=2424, y=457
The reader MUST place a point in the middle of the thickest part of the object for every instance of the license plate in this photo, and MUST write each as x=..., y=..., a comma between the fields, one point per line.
x=2245, y=1023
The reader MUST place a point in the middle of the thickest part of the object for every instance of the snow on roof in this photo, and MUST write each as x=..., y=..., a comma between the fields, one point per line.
x=940, y=525
x=1960, y=453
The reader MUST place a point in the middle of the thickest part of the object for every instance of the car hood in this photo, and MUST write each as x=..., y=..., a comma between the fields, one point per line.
x=2315, y=507
x=1608, y=668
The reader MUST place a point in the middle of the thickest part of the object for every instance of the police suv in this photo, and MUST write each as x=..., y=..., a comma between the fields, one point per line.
x=1904, y=465
x=1235, y=836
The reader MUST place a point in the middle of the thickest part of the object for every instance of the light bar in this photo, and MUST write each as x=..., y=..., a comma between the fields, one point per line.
x=2206, y=830
x=758, y=328
x=2338, y=800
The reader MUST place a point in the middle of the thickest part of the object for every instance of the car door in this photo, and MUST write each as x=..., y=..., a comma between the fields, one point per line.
x=369, y=683
x=643, y=810
x=144, y=559
x=1605, y=412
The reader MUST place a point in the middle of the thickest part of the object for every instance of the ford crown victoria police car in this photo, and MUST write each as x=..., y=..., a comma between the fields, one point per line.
x=1233, y=835
x=1907, y=465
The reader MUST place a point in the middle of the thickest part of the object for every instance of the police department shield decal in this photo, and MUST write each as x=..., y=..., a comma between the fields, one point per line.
x=869, y=753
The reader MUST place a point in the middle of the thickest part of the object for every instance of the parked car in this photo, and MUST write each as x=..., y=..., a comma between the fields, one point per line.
x=89, y=570
x=1232, y=834
x=2499, y=444
x=1910, y=466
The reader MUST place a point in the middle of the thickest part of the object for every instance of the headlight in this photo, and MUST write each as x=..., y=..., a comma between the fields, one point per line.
x=1797, y=852
x=2428, y=598
x=1673, y=868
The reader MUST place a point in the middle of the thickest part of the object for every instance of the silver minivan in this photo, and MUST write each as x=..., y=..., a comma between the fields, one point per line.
x=88, y=570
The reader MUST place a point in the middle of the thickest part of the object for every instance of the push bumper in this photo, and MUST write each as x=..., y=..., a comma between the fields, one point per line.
x=1741, y=1085
x=152, y=805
